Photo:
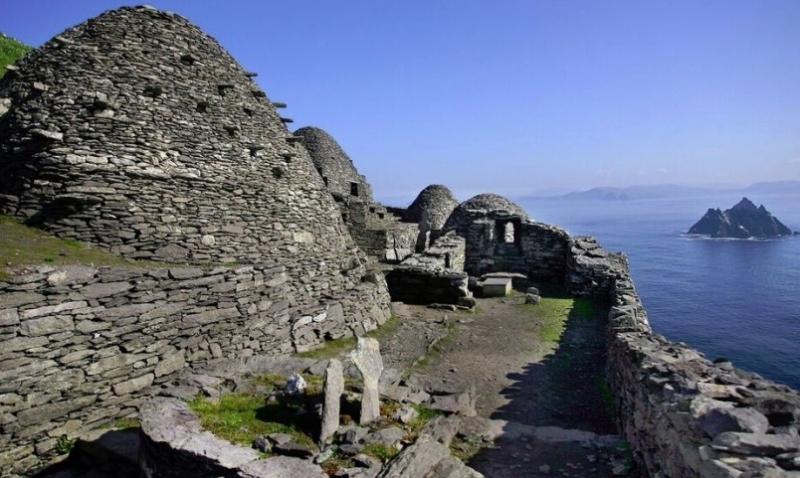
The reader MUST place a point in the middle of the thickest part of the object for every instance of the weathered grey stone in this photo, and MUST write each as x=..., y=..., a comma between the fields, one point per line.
x=389, y=436
x=731, y=419
x=462, y=403
x=134, y=384
x=282, y=467
x=295, y=385
x=100, y=290
x=47, y=325
x=334, y=387
x=417, y=459
x=406, y=414
x=293, y=448
x=53, y=309
x=756, y=443
x=22, y=343
x=367, y=357
x=170, y=363
x=72, y=274
x=16, y=299
x=9, y=317
x=45, y=413
x=443, y=429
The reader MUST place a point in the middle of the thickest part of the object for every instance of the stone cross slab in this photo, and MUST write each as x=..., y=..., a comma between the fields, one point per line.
x=367, y=357
x=334, y=387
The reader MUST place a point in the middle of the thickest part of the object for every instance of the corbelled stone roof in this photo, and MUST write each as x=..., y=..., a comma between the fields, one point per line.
x=334, y=165
x=138, y=132
x=483, y=205
x=432, y=207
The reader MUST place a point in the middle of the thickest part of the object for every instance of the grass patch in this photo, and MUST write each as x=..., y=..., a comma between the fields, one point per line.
x=65, y=444
x=380, y=451
x=554, y=312
x=330, y=349
x=241, y=418
x=336, y=463
x=21, y=245
x=10, y=51
x=337, y=347
x=424, y=415
x=464, y=449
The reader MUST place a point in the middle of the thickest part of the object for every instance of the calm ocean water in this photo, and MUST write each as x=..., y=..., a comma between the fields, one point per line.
x=727, y=298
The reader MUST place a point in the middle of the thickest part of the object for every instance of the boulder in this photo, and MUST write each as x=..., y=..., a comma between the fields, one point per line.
x=731, y=419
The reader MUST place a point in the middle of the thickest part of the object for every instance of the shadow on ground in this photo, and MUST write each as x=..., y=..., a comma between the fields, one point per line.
x=553, y=403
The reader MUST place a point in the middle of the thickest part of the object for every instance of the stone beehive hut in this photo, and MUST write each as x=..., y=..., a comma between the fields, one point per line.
x=334, y=165
x=138, y=132
x=501, y=237
x=430, y=210
x=432, y=207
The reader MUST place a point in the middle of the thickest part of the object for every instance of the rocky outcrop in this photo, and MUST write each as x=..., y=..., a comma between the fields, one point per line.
x=174, y=445
x=742, y=221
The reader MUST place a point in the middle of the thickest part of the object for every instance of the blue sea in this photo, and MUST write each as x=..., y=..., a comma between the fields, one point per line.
x=738, y=299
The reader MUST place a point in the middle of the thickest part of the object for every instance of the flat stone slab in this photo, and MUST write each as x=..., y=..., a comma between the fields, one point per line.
x=497, y=286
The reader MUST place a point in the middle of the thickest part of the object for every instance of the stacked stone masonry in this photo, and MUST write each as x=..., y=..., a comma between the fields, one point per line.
x=80, y=347
x=685, y=416
x=135, y=131
x=376, y=231
x=430, y=209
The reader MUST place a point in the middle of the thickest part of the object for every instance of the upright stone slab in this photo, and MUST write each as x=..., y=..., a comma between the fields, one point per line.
x=367, y=357
x=334, y=387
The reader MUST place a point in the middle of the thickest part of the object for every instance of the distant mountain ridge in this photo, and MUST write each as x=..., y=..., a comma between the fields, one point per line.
x=674, y=190
x=742, y=221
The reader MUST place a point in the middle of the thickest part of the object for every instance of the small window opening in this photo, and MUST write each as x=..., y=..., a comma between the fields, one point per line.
x=380, y=215
x=325, y=180
x=354, y=189
x=508, y=233
x=224, y=89
x=447, y=263
x=202, y=106
x=187, y=59
x=372, y=209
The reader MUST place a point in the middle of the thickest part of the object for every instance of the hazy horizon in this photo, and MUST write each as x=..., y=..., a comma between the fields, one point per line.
x=518, y=97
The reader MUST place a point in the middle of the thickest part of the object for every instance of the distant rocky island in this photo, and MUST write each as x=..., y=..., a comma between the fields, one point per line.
x=742, y=221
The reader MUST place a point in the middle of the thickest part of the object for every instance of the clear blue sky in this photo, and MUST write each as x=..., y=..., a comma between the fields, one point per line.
x=515, y=96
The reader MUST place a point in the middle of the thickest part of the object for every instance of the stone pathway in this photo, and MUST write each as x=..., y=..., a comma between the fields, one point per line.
x=544, y=401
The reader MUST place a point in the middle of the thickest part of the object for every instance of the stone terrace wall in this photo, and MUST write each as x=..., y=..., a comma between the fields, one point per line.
x=684, y=415
x=80, y=346
x=393, y=243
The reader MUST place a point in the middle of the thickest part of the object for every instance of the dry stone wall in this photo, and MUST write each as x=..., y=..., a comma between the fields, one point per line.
x=685, y=416
x=81, y=346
